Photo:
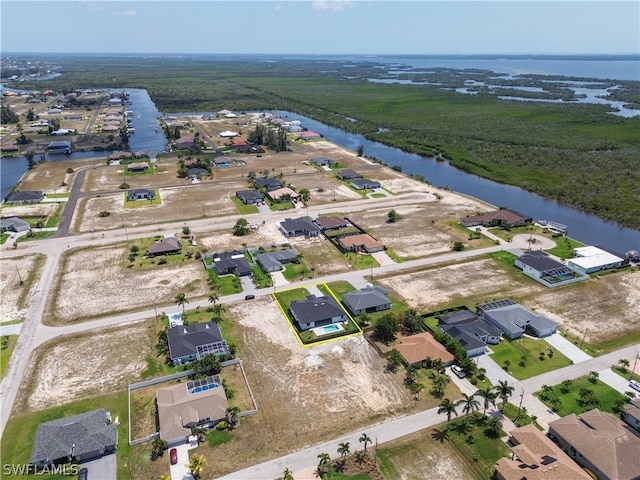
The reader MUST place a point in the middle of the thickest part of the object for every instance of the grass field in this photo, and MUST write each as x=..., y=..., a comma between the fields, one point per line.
x=5, y=354
x=527, y=357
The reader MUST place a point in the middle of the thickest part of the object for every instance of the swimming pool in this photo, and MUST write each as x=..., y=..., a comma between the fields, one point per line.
x=331, y=328
x=203, y=388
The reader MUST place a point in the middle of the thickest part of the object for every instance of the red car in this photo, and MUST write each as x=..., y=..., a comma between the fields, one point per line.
x=173, y=456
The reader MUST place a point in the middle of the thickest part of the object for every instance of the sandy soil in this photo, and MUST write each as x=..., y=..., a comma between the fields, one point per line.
x=60, y=370
x=266, y=234
x=13, y=304
x=33, y=210
x=49, y=176
x=98, y=277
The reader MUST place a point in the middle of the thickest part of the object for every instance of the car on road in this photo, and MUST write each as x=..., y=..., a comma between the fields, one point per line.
x=83, y=474
x=173, y=456
x=458, y=371
x=249, y=297
x=635, y=385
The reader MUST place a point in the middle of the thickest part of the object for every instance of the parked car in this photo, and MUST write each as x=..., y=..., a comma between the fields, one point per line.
x=458, y=371
x=83, y=474
x=173, y=456
x=635, y=385
x=249, y=297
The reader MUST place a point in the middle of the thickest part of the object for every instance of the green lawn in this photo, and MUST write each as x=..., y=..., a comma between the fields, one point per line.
x=142, y=203
x=296, y=271
x=361, y=261
x=20, y=432
x=565, y=247
x=33, y=235
x=243, y=208
x=514, y=350
x=4, y=238
x=216, y=437
x=5, y=354
x=569, y=401
x=228, y=283
x=626, y=373
x=339, y=288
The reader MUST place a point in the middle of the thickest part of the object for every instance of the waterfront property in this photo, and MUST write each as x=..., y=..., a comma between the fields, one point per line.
x=316, y=312
x=25, y=197
x=77, y=438
x=188, y=405
x=515, y=320
x=13, y=224
x=546, y=270
x=497, y=218
x=192, y=342
x=59, y=147
x=600, y=442
x=536, y=457
x=593, y=259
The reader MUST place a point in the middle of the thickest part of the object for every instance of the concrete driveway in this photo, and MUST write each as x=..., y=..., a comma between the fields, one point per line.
x=12, y=329
x=103, y=468
x=494, y=372
x=180, y=471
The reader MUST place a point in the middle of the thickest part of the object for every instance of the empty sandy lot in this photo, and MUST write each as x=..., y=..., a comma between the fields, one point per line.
x=14, y=297
x=94, y=282
x=33, y=210
x=49, y=176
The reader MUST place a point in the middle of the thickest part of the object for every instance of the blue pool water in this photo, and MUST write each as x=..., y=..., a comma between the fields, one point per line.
x=204, y=388
x=331, y=328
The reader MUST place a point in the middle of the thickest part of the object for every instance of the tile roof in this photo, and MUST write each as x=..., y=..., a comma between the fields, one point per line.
x=416, y=348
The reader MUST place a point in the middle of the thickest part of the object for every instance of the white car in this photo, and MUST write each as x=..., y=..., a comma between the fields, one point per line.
x=635, y=385
x=458, y=371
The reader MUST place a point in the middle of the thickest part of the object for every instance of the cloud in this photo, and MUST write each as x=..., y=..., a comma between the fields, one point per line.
x=332, y=5
x=126, y=13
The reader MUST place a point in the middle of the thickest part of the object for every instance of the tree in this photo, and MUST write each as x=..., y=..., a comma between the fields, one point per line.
x=386, y=328
x=458, y=246
x=158, y=448
x=364, y=438
x=287, y=474
x=196, y=464
x=5, y=342
x=205, y=366
x=449, y=408
x=412, y=321
x=30, y=156
x=241, y=227
x=469, y=404
x=593, y=376
x=504, y=391
x=494, y=425
x=134, y=249
x=360, y=150
x=392, y=216
x=232, y=416
x=181, y=299
x=323, y=464
x=489, y=397
x=624, y=364
x=305, y=195
x=343, y=449
x=186, y=230
x=394, y=360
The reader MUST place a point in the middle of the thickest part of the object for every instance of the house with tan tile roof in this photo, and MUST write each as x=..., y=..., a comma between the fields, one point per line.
x=536, y=457
x=600, y=442
x=422, y=346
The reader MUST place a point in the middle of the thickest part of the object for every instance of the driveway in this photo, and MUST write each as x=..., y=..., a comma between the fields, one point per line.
x=494, y=372
x=568, y=349
x=180, y=471
x=11, y=329
x=383, y=258
x=615, y=381
x=103, y=468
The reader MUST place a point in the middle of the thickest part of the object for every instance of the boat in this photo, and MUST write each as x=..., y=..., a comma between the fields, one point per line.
x=555, y=227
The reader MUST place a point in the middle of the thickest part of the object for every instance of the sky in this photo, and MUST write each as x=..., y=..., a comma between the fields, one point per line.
x=366, y=27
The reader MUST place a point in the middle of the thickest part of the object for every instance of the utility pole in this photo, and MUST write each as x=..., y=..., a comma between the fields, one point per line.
x=19, y=276
x=583, y=337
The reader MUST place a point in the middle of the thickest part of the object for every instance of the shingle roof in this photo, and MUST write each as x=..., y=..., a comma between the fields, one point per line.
x=169, y=244
x=27, y=195
x=184, y=340
x=315, y=309
x=248, y=195
x=370, y=297
x=88, y=431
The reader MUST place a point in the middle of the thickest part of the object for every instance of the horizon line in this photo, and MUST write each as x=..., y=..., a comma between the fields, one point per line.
x=338, y=54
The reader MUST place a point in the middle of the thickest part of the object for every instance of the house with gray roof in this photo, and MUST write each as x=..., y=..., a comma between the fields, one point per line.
x=236, y=264
x=544, y=269
x=141, y=194
x=316, y=312
x=514, y=320
x=77, y=438
x=275, y=261
x=365, y=184
x=369, y=300
x=471, y=331
x=27, y=196
x=297, y=227
x=13, y=224
x=249, y=197
x=631, y=413
x=323, y=161
x=348, y=174
x=269, y=184
x=166, y=246
x=192, y=342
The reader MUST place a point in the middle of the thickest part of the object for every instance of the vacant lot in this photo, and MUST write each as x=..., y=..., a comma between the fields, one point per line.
x=110, y=177
x=84, y=365
x=49, y=176
x=14, y=298
x=93, y=282
x=33, y=210
x=266, y=234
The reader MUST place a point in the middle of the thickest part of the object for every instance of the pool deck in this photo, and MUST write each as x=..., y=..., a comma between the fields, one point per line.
x=320, y=331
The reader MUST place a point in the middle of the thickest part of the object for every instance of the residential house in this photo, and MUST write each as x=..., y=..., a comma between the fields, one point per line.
x=192, y=342
x=120, y=155
x=284, y=193
x=323, y=161
x=195, y=173
x=249, y=197
x=631, y=413
x=269, y=184
x=535, y=457
x=515, y=320
x=317, y=312
x=13, y=224
x=27, y=196
x=360, y=242
x=599, y=442
x=76, y=438
x=231, y=263
x=141, y=194
x=365, y=184
x=296, y=227
x=188, y=405
x=331, y=223
x=348, y=174
x=497, y=218
x=166, y=246
x=240, y=146
x=540, y=266
x=138, y=167
x=471, y=331
x=369, y=300
x=274, y=261
x=309, y=135
x=185, y=143
x=418, y=348
x=593, y=259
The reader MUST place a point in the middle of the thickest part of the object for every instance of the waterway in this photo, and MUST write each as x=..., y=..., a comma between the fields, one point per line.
x=586, y=228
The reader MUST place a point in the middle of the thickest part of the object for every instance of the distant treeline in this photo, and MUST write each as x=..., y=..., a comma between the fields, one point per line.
x=577, y=154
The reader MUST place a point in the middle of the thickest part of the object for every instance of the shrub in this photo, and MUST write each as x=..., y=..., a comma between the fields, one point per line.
x=124, y=186
x=69, y=170
x=104, y=213
x=222, y=425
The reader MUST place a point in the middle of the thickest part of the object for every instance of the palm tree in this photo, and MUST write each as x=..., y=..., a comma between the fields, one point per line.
x=469, y=404
x=164, y=477
x=196, y=463
x=546, y=391
x=489, y=397
x=494, y=425
x=504, y=391
x=181, y=299
x=323, y=464
x=343, y=449
x=287, y=475
x=232, y=415
x=448, y=407
x=364, y=438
